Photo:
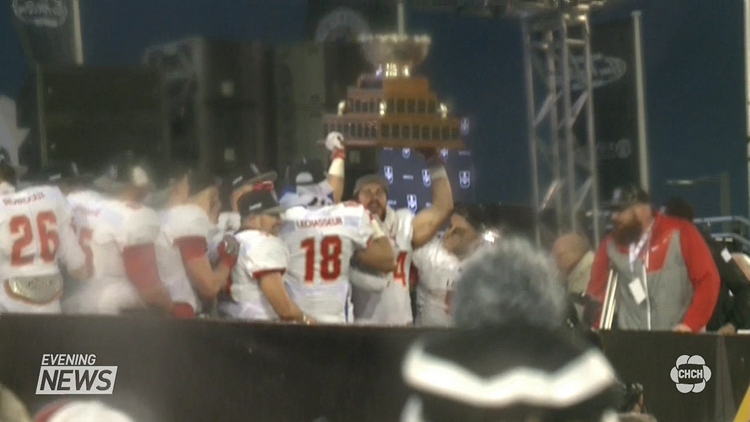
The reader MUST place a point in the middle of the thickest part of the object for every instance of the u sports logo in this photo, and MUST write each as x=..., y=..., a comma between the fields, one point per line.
x=411, y=202
x=406, y=152
x=426, y=179
x=464, y=179
x=444, y=153
x=388, y=173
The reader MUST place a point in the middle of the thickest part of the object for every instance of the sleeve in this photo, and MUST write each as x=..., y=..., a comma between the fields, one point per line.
x=188, y=228
x=405, y=226
x=367, y=280
x=364, y=230
x=420, y=258
x=703, y=276
x=71, y=254
x=267, y=255
x=599, y=276
x=140, y=226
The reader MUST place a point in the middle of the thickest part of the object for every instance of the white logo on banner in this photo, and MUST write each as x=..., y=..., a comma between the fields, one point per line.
x=464, y=178
x=623, y=148
x=411, y=202
x=690, y=374
x=444, y=153
x=74, y=374
x=406, y=152
x=388, y=173
x=41, y=13
x=605, y=71
x=464, y=126
x=426, y=179
x=392, y=203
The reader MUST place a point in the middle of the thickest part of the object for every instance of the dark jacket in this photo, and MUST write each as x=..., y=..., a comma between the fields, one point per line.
x=734, y=310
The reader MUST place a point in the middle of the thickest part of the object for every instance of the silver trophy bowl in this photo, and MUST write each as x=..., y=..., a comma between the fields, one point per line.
x=395, y=55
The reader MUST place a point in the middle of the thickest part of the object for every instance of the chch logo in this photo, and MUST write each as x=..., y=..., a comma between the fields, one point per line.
x=690, y=374
x=406, y=152
x=411, y=202
x=426, y=179
x=392, y=203
x=444, y=153
x=388, y=173
x=464, y=179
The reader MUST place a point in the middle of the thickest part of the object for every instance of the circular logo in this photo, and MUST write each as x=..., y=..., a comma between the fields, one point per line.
x=342, y=24
x=623, y=149
x=690, y=374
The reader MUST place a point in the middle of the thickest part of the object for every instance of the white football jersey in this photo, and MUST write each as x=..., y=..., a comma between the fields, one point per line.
x=438, y=271
x=177, y=223
x=37, y=234
x=112, y=226
x=260, y=253
x=392, y=306
x=321, y=244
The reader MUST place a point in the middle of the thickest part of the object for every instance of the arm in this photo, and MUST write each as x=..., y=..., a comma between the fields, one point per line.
x=272, y=286
x=427, y=223
x=335, y=144
x=141, y=269
x=379, y=254
x=597, y=287
x=703, y=276
x=206, y=280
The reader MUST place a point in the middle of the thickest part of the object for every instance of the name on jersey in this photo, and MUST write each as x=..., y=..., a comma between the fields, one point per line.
x=85, y=211
x=320, y=222
x=36, y=196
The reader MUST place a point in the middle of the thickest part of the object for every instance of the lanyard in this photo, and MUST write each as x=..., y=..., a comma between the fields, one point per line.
x=636, y=249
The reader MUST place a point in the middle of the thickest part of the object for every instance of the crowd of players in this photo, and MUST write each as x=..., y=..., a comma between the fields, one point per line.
x=114, y=242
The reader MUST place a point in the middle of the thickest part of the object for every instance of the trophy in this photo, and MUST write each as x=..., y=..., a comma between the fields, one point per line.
x=391, y=107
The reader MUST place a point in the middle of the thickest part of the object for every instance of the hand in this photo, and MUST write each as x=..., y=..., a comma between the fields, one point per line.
x=229, y=249
x=682, y=328
x=334, y=141
x=728, y=329
x=239, y=192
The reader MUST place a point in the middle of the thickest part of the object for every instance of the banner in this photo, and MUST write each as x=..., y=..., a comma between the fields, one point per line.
x=409, y=177
x=615, y=105
x=47, y=30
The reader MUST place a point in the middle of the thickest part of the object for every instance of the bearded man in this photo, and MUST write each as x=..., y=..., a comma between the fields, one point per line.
x=667, y=279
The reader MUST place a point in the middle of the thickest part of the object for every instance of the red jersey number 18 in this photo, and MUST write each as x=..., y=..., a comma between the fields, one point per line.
x=330, y=263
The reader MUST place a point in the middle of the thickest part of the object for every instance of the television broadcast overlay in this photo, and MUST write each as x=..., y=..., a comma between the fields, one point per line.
x=74, y=374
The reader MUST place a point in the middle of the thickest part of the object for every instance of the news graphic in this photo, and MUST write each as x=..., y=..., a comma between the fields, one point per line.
x=74, y=374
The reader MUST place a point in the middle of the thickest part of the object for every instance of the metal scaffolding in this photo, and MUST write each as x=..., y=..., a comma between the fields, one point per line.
x=558, y=70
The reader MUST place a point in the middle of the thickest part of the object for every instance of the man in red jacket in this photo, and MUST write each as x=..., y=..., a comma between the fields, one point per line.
x=667, y=279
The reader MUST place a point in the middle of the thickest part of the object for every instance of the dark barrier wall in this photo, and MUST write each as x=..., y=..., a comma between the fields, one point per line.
x=220, y=371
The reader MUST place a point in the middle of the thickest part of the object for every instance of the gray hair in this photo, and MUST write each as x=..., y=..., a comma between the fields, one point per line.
x=507, y=284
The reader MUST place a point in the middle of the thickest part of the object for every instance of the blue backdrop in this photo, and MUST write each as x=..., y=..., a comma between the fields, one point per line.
x=693, y=58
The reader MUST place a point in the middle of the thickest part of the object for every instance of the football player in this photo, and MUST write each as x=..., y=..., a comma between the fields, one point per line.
x=407, y=232
x=257, y=288
x=323, y=239
x=119, y=238
x=187, y=227
x=37, y=236
x=439, y=264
